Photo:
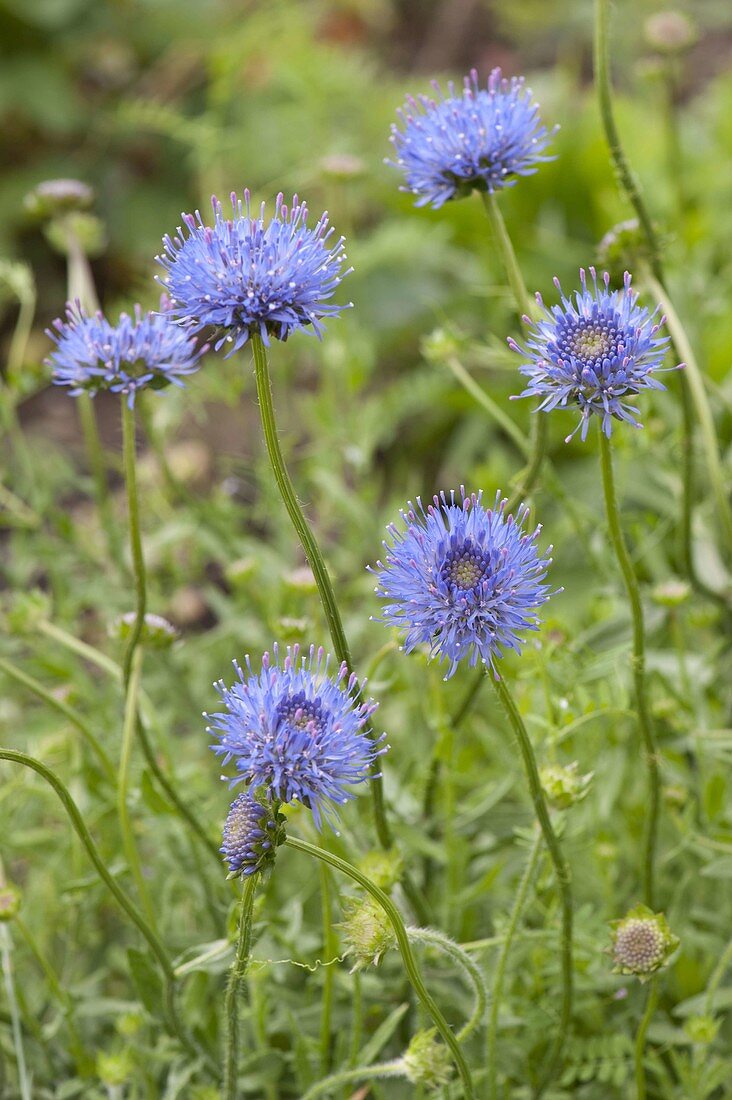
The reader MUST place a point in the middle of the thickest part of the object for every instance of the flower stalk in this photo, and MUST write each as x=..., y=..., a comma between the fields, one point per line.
x=402, y=937
x=237, y=975
x=639, y=670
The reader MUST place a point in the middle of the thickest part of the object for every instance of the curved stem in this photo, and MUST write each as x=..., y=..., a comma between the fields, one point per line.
x=351, y=1076
x=62, y=707
x=625, y=175
x=449, y=947
x=695, y=381
x=524, y=307
x=640, y=1039
x=128, y=737
x=491, y=407
x=138, y=561
x=639, y=670
x=497, y=990
x=236, y=979
x=561, y=870
x=410, y=964
x=323, y=581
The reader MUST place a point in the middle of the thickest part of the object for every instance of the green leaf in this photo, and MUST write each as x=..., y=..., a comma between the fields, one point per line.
x=147, y=981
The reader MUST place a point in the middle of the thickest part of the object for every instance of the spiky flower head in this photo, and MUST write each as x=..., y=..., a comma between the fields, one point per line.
x=595, y=351
x=143, y=351
x=297, y=730
x=563, y=785
x=244, y=276
x=479, y=139
x=367, y=933
x=642, y=942
x=252, y=831
x=427, y=1061
x=51, y=198
x=464, y=579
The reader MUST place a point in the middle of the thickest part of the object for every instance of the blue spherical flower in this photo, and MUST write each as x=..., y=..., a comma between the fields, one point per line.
x=252, y=832
x=242, y=276
x=296, y=730
x=146, y=350
x=480, y=140
x=595, y=351
x=463, y=579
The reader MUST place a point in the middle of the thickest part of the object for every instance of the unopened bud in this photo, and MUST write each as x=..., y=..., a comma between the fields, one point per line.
x=367, y=932
x=642, y=942
x=563, y=785
x=383, y=868
x=9, y=902
x=54, y=197
x=670, y=32
x=157, y=632
x=427, y=1061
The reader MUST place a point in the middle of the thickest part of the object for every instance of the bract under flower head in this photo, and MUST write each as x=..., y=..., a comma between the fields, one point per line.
x=463, y=579
x=596, y=350
x=147, y=350
x=297, y=730
x=242, y=276
x=481, y=139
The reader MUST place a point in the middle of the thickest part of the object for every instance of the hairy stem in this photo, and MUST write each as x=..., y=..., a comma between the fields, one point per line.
x=233, y=989
x=402, y=937
x=323, y=581
x=330, y=949
x=640, y=1039
x=6, y=946
x=129, y=843
x=561, y=871
x=329, y=1085
x=138, y=561
x=497, y=989
x=639, y=669
x=433, y=938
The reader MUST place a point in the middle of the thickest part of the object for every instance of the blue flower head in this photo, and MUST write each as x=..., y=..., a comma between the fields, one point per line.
x=482, y=139
x=242, y=275
x=252, y=832
x=596, y=350
x=143, y=351
x=297, y=731
x=463, y=579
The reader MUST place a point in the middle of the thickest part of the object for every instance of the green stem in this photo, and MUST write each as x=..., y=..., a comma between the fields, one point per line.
x=695, y=380
x=351, y=1076
x=236, y=979
x=6, y=945
x=443, y=943
x=323, y=581
x=330, y=950
x=626, y=178
x=497, y=990
x=138, y=561
x=410, y=964
x=561, y=870
x=524, y=308
x=128, y=737
x=716, y=978
x=112, y=669
x=639, y=672
x=61, y=707
x=83, y=1059
x=114, y=888
x=494, y=410
x=640, y=1039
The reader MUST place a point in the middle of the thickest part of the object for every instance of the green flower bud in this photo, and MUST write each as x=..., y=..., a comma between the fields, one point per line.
x=10, y=899
x=702, y=1029
x=563, y=785
x=642, y=942
x=367, y=932
x=440, y=345
x=383, y=868
x=157, y=632
x=86, y=229
x=623, y=248
x=289, y=629
x=54, y=197
x=427, y=1061
x=26, y=610
x=301, y=580
x=670, y=32
x=342, y=167
x=671, y=593
x=238, y=573
x=114, y=1069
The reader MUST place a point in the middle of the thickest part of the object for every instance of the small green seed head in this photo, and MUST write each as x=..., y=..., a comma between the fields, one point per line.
x=642, y=942
x=367, y=933
x=563, y=785
x=427, y=1061
x=383, y=868
x=10, y=900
